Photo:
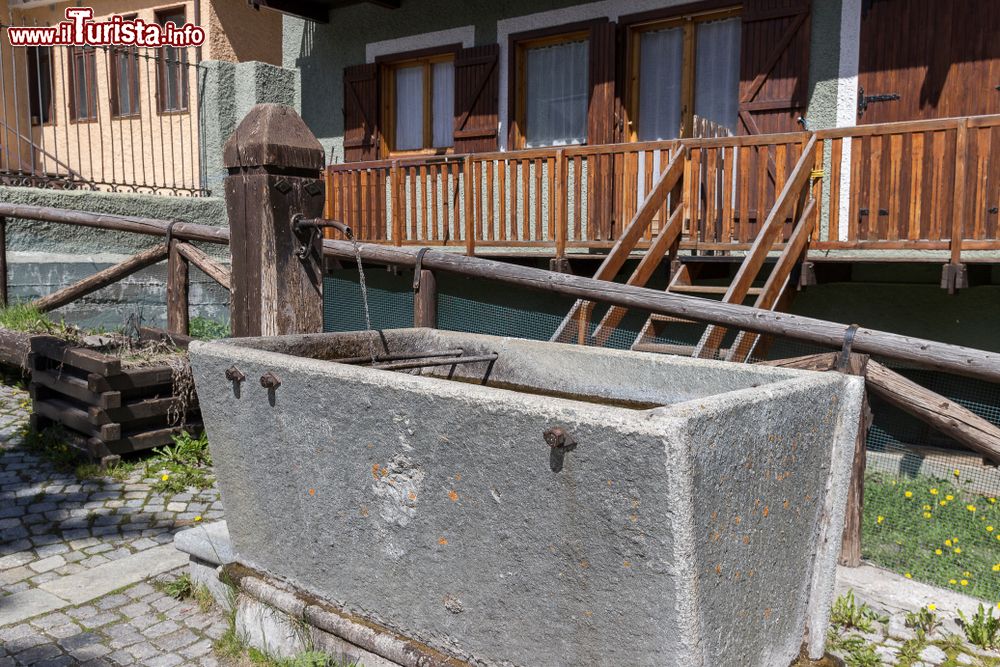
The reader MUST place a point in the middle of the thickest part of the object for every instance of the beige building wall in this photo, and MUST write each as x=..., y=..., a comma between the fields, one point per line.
x=148, y=152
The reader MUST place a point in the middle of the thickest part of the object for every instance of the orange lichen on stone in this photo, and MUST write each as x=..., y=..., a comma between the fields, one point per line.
x=411, y=495
x=442, y=541
x=364, y=511
x=767, y=510
x=718, y=569
x=458, y=478
x=312, y=492
x=767, y=614
x=737, y=520
x=787, y=504
x=626, y=563
x=375, y=470
x=715, y=536
x=453, y=496
x=584, y=563
x=746, y=539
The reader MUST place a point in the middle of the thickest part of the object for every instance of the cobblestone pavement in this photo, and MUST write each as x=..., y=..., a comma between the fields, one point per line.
x=53, y=525
x=138, y=625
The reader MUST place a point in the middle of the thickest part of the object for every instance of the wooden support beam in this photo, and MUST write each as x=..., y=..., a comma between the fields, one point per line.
x=623, y=247
x=102, y=278
x=178, y=313
x=664, y=240
x=948, y=417
x=747, y=273
x=425, y=300
x=779, y=280
x=206, y=264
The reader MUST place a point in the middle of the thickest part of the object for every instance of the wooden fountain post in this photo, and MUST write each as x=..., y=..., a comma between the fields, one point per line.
x=275, y=165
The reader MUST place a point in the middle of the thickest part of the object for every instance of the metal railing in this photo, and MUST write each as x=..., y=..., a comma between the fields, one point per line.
x=115, y=119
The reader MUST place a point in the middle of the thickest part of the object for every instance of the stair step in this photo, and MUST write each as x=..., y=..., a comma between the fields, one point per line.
x=669, y=348
x=670, y=319
x=710, y=289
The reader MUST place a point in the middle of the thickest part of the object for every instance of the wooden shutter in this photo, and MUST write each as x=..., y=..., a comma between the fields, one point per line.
x=361, y=118
x=477, y=99
x=774, y=65
x=602, y=112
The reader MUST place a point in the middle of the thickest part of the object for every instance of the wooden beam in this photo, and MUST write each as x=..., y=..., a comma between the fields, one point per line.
x=943, y=415
x=425, y=301
x=206, y=264
x=625, y=244
x=926, y=353
x=102, y=278
x=3, y=262
x=763, y=244
x=178, y=314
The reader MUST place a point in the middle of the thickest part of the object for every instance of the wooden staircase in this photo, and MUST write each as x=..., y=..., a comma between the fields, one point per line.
x=796, y=201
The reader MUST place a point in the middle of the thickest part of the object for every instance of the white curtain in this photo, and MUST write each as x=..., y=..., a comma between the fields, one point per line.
x=717, y=75
x=661, y=58
x=443, y=102
x=556, y=96
x=409, y=108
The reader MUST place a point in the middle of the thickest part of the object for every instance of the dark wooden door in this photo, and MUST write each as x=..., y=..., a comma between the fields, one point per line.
x=942, y=58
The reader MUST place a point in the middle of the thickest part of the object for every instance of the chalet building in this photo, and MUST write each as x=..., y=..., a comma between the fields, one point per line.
x=741, y=150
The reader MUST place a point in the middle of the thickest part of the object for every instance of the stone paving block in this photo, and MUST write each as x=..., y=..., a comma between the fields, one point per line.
x=82, y=613
x=37, y=654
x=176, y=640
x=50, y=621
x=161, y=628
x=101, y=619
x=164, y=661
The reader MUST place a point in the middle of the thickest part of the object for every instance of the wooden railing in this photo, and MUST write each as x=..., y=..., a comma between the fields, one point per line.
x=931, y=185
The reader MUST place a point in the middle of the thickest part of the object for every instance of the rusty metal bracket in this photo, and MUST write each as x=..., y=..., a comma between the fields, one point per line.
x=844, y=358
x=269, y=381
x=417, y=268
x=170, y=232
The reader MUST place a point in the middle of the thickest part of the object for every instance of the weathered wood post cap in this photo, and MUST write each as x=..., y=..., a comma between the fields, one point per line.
x=273, y=135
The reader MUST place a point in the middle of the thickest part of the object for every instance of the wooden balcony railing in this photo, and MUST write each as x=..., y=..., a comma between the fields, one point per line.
x=932, y=185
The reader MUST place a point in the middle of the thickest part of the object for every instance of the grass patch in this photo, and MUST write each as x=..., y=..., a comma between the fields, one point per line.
x=204, y=328
x=935, y=531
x=186, y=463
x=52, y=445
x=849, y=615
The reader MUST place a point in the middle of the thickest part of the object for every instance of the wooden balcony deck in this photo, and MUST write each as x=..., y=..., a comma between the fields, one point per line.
x=923, y=185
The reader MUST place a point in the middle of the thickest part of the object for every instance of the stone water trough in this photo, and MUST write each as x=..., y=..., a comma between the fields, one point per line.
x=547, y=504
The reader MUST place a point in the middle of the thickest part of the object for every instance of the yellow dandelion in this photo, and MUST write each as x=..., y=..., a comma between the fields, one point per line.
x=992, y=501
x=998, y=537
x=996, y=568
x=198, y=518
x=949, y=497
x=943, y=503
x=964, y=582
x=989, y=529
x=880, y=520
x=934, y=492
x=908, y=575
x=947, y=543
x=932, y=607
x=967, y=574
x=938, y=552
x=971, y=508
x=927, y=507
x=958, y=550
x=953, y=581
x=165, y=477
x=908, y=494
x=927, y=515
x=957, y=472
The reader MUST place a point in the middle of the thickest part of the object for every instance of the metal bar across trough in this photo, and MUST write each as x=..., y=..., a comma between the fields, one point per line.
x=449, y=361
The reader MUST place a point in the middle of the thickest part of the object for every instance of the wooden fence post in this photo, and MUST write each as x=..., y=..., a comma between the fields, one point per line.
x=468, y=208
x=178, y=319
x=425, y=300
x=560, y=199
x=274, y=165
x=954, y=276
x=850, y=546
x=3, y=262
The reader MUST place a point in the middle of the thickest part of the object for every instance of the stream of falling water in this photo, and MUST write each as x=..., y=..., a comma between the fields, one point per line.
x=364, y=299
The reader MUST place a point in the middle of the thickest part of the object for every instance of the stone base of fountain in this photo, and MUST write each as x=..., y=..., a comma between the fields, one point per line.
x=543, y=504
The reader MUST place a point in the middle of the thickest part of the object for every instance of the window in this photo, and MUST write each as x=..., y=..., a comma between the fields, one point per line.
x=420, y=103
x=82, y=83
x=40, y=84
x=685, y=77
x=171, y=69
x=124, y=79
x=553, y=82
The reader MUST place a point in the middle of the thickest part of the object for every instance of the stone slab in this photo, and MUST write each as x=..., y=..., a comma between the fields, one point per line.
x=208, y=542
x=17, y=607
x=95, y=582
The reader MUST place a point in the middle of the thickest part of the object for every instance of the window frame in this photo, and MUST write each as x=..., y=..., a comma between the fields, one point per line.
x=688, y=18
x=387, y=69
x=161, y=16
x=131, y=54
x=34, y=62
x=87, y=54
x=520, y=45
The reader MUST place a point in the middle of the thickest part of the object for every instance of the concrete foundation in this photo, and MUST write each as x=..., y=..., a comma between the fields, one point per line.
x=691, y=517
